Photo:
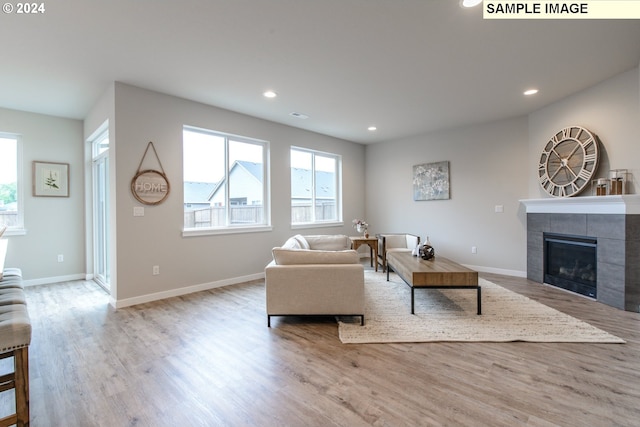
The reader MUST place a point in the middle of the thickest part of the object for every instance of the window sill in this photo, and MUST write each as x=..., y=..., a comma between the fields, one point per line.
x=15, y=232
x=317, y=225
x=195, y=232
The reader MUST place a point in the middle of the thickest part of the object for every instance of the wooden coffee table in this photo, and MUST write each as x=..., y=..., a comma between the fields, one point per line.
x=436, y=273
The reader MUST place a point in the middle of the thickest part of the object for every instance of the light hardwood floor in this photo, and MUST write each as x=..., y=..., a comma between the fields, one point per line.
x=208, y=359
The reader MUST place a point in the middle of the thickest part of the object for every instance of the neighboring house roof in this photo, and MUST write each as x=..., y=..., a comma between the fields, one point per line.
x=301, y=184
x=198, y=192
x=254, y=169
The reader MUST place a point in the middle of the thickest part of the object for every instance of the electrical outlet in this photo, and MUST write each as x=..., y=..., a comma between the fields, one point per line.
x=474, y=250
x=156, y=270
x=60, y=258
x=499, y=208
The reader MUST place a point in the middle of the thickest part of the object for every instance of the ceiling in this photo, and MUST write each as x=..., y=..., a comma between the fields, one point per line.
x=407, y=67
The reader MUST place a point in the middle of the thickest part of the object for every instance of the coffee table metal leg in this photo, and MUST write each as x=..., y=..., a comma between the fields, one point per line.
x=412, y=299
x=479, y=302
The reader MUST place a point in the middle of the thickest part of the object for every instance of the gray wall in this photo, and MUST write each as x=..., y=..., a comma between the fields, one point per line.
x=487, y=168
x=491, y=164
x=610, y=109
x=191, y=263
x=54, y=225
x=496, y=164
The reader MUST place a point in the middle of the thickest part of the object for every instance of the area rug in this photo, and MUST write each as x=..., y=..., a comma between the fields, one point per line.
x=450, y=315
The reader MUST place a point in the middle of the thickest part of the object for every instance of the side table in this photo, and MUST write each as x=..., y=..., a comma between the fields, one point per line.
x=372, y=242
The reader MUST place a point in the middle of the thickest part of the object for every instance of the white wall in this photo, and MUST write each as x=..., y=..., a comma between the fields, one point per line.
x=54, y=225
x=187, y=263
x=486, y=169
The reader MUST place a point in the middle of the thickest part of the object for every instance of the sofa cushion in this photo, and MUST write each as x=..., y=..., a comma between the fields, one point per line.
x=398, y=250
x=283, y=256
x=328, y=242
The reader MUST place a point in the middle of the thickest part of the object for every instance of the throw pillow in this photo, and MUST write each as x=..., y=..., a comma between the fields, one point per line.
x=291, y=243
x=302, y=241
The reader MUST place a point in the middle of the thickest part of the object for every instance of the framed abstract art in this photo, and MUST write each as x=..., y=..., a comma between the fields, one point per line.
x=431, y=181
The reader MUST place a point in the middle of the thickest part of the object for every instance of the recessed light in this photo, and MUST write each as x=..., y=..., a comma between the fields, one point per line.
x=530, y=92
x=372, y=128
x=470, y=3
x=270, y=94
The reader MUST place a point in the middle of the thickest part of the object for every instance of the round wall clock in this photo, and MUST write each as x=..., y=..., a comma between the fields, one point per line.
x=568, y=162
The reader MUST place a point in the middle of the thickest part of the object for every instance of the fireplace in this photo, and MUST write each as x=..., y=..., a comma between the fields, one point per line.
x=570, y=262
x=614, y=221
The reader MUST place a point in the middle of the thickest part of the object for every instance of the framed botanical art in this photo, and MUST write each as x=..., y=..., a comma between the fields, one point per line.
x=50, y=179
x=431, y=181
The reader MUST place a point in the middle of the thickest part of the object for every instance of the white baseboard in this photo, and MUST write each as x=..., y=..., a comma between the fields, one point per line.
x=183, y=291
x=50, y=280
x=515, y=273
x=212, y=285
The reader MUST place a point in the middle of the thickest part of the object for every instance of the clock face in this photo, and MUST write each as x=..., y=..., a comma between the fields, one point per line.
x=568, y=162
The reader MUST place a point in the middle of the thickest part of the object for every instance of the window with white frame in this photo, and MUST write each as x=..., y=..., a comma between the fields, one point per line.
x=315, y=187
x=11, y=214
x=225, y=180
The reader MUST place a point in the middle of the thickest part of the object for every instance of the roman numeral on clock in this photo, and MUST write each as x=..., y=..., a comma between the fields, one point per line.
x=585, y=174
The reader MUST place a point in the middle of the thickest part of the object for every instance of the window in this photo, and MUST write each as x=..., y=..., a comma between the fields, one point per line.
x=11, y=213
x=225, y=181
x=315, y=187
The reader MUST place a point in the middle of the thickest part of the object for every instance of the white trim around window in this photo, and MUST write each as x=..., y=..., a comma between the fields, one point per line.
x=226, y=181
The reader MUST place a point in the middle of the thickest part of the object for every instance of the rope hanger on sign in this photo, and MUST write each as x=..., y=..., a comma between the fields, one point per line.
x=150, y=144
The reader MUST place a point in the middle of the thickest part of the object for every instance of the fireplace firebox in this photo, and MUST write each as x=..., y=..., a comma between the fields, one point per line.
x=570, y=262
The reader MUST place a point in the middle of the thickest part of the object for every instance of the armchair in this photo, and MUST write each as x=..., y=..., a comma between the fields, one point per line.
x=396, y=242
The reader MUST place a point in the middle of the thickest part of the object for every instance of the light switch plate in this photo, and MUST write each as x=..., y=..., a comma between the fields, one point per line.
x=138, y=211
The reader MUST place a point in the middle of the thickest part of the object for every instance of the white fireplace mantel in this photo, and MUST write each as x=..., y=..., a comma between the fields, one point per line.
x=625, y=205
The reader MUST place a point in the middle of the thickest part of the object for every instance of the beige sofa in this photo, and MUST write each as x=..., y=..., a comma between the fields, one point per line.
x=315, y=275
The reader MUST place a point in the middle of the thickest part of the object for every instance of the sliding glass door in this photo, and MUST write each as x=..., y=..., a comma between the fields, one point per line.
x=101, y=209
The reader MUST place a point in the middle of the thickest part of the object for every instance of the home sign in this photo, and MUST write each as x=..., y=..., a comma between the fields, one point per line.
x=150, y=186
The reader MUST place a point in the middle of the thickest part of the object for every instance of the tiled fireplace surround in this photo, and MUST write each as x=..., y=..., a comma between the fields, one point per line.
x=613, y=220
